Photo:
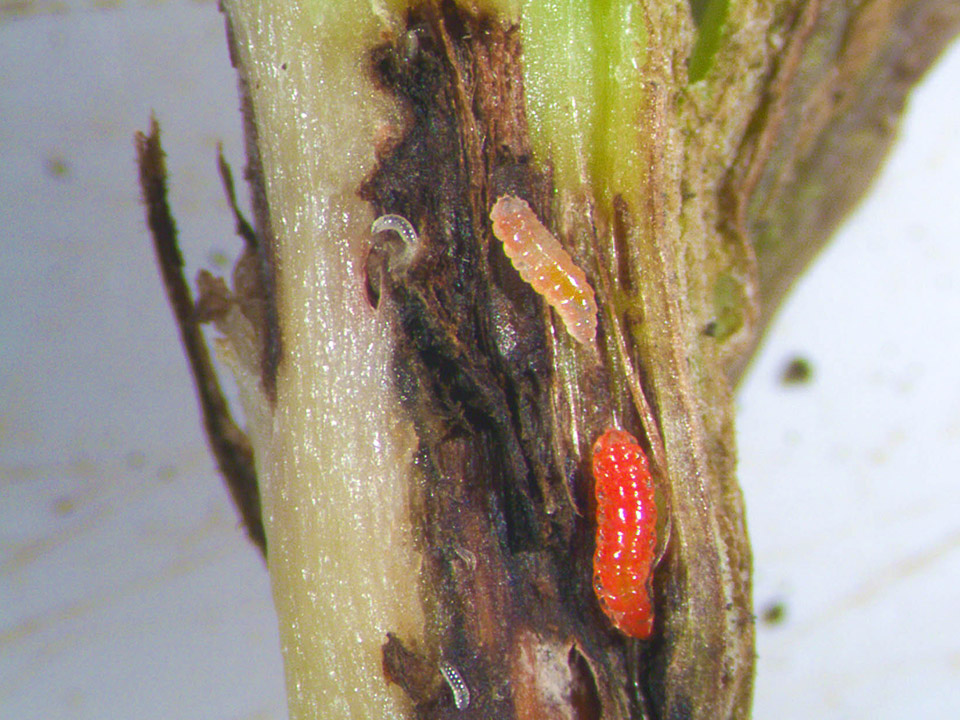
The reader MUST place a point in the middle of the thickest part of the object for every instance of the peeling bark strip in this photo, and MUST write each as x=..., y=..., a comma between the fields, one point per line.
x=229, y=443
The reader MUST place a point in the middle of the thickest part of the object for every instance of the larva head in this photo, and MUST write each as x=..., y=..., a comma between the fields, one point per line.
x=612, y=437
x=508, y=216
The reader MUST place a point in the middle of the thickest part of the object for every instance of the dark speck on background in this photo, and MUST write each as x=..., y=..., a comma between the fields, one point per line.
x=774, y=613
x=798, y=371
x=57, y=167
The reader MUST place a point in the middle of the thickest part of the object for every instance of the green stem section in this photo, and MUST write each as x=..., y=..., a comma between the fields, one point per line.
x=583, y=78
x=711, y=17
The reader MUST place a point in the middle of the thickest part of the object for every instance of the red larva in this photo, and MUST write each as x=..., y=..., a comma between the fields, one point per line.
x=626, y=532
x=542, y=262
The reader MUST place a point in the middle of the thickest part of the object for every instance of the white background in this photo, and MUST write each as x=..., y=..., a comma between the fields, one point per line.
x=127, y=589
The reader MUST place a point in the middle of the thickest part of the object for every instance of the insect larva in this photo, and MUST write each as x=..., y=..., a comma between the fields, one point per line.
x=626, y=532
x=542, y=262
x=461, y=693
x=468, y=556
x=399, y=225
x=405, y=230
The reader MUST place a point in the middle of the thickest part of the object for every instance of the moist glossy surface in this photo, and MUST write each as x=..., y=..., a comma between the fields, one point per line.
x=626, y=532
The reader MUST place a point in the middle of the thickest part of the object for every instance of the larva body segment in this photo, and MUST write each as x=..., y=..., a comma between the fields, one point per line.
x=626, y=533
x=543, y=263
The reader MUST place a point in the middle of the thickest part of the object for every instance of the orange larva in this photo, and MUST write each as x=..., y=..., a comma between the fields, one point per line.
x=546, y=266
x=626, y=533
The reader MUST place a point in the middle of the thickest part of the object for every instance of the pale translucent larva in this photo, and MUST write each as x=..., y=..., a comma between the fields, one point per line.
x=399, y=225
x=546, y=266
x=461, y=693
x=402, y=227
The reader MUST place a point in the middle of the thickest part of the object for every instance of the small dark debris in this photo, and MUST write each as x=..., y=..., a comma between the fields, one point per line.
x=774, y=613
x=219, y=259
x=57, y=167
x=63, y=506
x=798, y=371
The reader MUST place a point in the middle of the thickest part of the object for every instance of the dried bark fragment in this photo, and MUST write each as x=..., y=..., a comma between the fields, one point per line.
x=229, y=444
